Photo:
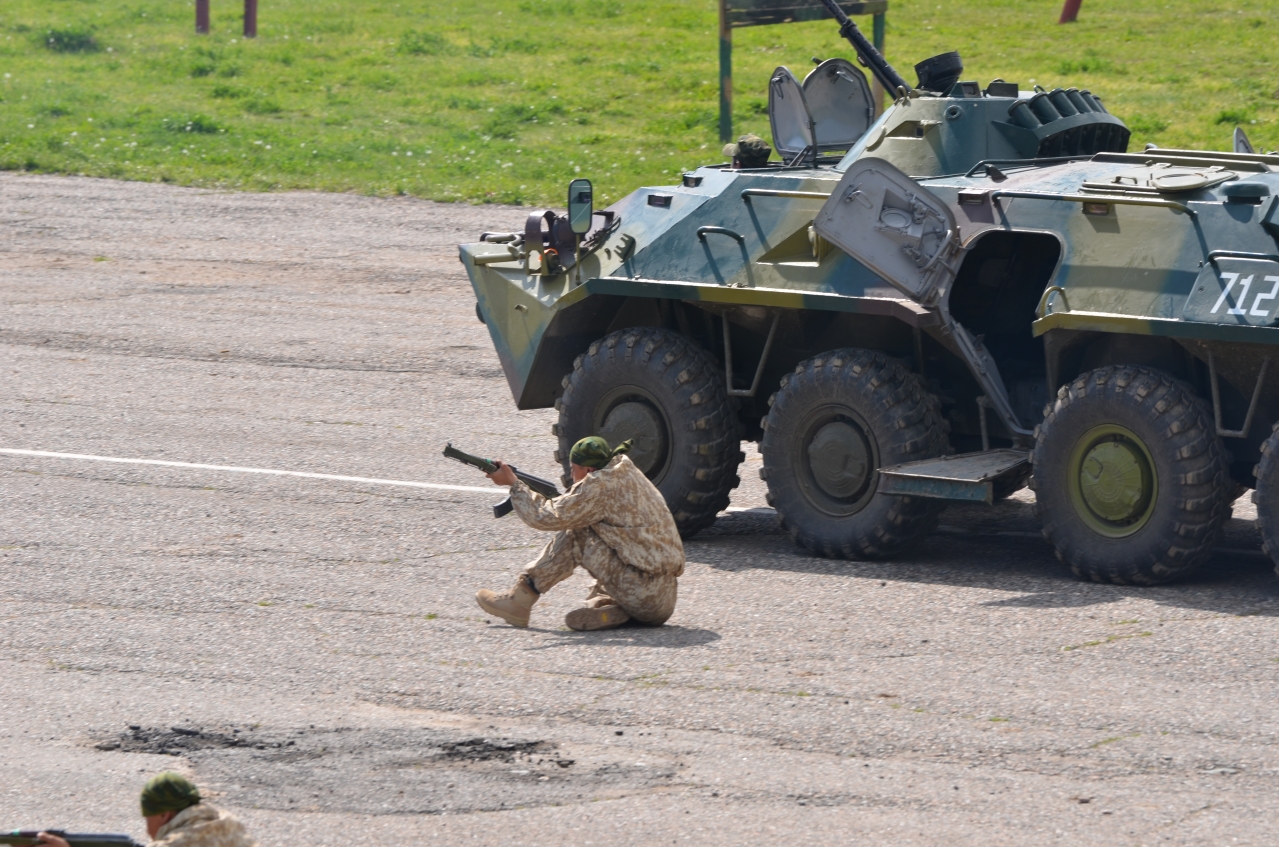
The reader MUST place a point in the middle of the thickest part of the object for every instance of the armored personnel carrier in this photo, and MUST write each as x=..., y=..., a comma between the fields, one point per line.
x=979, y=289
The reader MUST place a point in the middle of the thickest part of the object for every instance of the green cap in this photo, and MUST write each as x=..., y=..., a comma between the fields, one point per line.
x=594, y=452
x=750, y=151
x=168, y=792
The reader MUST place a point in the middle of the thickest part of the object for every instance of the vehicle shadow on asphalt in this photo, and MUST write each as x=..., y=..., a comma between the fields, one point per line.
x=1000, y=548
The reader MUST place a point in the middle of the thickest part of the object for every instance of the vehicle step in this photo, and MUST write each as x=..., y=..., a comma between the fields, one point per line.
x=982, y=477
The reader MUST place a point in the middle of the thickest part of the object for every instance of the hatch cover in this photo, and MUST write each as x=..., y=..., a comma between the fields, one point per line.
x=894, y=226
x=1161, y=178
x=839, y=102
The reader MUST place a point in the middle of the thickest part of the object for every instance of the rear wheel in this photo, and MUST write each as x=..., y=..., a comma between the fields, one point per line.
x=1130, y=479
x=834, y=423
x=1266, y=496
x=668, y=395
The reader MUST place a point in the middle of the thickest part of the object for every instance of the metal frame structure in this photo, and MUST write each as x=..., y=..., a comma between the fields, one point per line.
x=741, y=13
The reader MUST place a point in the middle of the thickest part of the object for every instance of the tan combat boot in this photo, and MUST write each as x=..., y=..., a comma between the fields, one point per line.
x=511, y=606
x=600, y=613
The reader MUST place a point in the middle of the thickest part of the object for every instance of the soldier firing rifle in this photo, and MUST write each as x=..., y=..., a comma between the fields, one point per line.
x=613, y=523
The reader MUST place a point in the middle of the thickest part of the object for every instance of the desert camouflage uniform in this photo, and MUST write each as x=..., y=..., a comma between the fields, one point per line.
x=203, y=825
x=614, y=525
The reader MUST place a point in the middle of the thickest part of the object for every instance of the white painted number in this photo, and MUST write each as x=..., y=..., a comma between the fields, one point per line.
x=1244, y=284
x=1243, y=295
x=1274, y=292
x=1230, y=283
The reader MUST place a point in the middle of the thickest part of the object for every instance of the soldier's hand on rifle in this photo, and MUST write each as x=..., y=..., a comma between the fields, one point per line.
x=52, y=840
x=503, y=475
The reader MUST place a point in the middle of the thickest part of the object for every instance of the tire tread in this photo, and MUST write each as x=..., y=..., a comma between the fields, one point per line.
x=911, y=426
x=1199, y=471
x=702, y=418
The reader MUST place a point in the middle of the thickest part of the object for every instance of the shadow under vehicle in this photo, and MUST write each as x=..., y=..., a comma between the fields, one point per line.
x=981, y=289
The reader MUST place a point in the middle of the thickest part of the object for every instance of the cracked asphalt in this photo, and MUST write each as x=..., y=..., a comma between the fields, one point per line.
x=309, y=650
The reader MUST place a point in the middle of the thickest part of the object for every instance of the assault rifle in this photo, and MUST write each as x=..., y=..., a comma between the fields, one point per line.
x=542, y=486
x=30, y=837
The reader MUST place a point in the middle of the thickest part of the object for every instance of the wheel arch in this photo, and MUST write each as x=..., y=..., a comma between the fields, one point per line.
x=811, y=322
x=1070, y=353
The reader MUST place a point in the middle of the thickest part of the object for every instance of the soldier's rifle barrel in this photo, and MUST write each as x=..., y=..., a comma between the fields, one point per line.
x=884, y=72
x=542, y=486
x=30, y=837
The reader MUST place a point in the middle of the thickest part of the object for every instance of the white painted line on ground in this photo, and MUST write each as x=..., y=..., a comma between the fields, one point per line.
x=44, y=454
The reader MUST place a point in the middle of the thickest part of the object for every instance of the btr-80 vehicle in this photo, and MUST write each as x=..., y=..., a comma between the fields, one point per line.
x=982, y=289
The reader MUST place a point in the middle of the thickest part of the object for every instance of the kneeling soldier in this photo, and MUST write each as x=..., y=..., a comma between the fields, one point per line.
x=612, y=523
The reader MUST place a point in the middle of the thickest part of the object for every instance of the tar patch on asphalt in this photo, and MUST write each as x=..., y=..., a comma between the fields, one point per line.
x=401, y=771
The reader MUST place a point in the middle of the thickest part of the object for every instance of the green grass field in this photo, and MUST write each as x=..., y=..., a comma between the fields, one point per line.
x=490, y=101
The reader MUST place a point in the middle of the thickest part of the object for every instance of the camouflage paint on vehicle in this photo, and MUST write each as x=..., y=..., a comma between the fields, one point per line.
x=1003, y=255
x=742, y=230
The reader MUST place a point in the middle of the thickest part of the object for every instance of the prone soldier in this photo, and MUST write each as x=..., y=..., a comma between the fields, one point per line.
x=614, y=524
x=176, y=816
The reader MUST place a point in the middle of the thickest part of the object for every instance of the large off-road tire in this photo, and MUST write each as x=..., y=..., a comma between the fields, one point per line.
x=667, y=394
x=834, y=423
x=1266, y=496
x=1130, y=478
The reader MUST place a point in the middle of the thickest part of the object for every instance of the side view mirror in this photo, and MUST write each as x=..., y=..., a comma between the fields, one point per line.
x=580, y=206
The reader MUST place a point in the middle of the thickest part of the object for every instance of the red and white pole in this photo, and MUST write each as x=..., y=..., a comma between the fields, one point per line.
x=1070, y=11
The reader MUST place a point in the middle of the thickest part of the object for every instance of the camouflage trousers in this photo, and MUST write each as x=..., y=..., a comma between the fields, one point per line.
x=648, y=598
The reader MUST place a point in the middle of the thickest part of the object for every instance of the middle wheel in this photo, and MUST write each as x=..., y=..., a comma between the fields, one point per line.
x=836, y=421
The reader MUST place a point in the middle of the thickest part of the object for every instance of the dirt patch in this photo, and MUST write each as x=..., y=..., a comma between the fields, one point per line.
x=402, y=771
x=177, y=740
x=483, y=750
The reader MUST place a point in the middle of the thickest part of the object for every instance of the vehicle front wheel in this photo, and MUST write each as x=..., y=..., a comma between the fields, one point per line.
x=661, y=390
x=1130, y=478
x=833, y=424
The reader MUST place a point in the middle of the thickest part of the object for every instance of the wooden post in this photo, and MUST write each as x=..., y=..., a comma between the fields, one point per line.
x=202, y=16
x=725, y=74
x=1070, y=11
x=250, y=18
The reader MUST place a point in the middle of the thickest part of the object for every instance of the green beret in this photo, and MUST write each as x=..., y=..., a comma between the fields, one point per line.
x=594, y=452
x=168, y=792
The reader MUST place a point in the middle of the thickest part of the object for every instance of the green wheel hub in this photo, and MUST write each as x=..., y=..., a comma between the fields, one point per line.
x=1113, y=484
x=840, y=461
x=631, y=412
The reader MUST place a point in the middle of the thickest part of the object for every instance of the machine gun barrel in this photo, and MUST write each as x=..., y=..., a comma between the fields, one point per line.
x=884, y=72
x=542, y=486
x=29, y=837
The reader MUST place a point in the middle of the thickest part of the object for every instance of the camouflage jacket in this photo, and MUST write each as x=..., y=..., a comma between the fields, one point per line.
x=203, y=825
x=620, y=507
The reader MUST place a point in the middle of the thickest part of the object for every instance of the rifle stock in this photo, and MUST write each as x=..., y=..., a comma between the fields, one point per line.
x=542, y=486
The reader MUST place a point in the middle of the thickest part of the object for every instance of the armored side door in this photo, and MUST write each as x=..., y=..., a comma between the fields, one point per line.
x=894, y=226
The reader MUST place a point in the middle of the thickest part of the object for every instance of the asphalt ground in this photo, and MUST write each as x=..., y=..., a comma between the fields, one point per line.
x=309, y=649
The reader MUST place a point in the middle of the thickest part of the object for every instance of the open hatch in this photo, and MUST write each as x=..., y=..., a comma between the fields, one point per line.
x=839, y=100
x=894, y=226
x=827, y=113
